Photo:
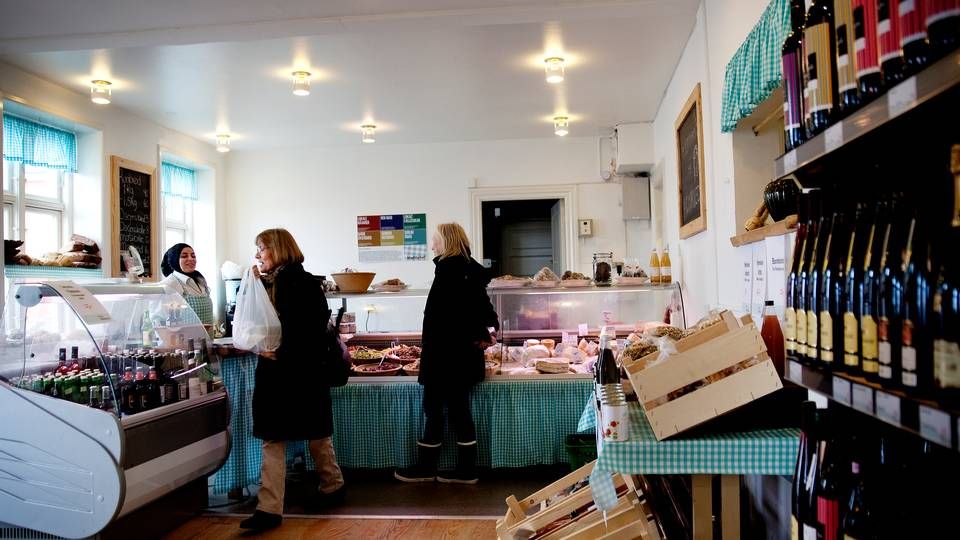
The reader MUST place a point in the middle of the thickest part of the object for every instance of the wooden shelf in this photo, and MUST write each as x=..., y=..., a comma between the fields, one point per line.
x=778, y=228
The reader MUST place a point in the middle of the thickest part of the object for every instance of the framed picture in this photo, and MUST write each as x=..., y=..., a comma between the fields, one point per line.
x=690, y=175
x=134, y=217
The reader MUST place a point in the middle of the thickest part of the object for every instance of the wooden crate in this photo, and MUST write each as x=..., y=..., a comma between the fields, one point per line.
x=704, y=354
x=627, y=520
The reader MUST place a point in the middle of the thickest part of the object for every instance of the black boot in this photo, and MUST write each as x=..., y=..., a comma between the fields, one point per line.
x=261, y=521
x=425, y=469
x=466, y=471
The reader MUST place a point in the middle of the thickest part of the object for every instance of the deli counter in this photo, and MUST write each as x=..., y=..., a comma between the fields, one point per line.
x=112, y=398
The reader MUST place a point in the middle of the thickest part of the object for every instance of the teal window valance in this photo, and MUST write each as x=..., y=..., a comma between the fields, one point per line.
x=38, y=144
x=755, y=70
x=178, y=181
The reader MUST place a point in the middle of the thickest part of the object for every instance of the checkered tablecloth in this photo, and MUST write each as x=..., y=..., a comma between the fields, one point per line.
x=760, y=452
x=376, y=425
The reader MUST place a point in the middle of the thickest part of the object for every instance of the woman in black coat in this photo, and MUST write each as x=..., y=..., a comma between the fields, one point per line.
x=290, y=400
x=457, y=323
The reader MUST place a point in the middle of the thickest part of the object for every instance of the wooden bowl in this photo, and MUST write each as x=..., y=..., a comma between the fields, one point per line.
x=353, y=282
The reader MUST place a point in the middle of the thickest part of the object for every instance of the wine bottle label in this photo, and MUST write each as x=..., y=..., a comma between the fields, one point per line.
x=801, y=332
x=868, y=337
x=946, y=359
x=813, y=330
x=794, y=528
x=885, y=359
x=826, y=336
x=846, y=68
x=828, y=514
x=792, y=116
x=865, y=37
x=909, y=379
x=888, y=30
x=937, y=10
x=850, y=345
x=820, y=83
x=790, y=329
x=665, y=271
x=809, y=533
x=913, y=23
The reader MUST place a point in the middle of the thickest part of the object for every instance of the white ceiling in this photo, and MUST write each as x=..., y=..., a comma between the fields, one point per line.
x=429, y=71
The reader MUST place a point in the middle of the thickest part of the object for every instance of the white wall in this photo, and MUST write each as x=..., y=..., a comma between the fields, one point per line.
x=317, y=193
x=120, y=133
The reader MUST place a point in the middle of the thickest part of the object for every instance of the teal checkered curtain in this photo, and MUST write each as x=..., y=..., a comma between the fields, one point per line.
x=755, y=70
x=37, y=144
x=178, y=181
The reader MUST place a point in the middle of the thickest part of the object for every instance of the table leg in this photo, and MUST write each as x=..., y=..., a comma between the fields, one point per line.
x=730, y=505
x=702, y=507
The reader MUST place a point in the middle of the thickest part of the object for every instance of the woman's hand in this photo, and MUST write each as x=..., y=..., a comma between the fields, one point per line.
x=490, y=341
x=272, y=355
x=256, y=271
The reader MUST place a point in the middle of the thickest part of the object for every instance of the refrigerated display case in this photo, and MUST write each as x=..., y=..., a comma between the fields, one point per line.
x=103, y=415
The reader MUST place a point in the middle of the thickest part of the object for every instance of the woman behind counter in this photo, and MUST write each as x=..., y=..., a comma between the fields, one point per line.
x=288, y=402
x=179, y=267
x=456, y=322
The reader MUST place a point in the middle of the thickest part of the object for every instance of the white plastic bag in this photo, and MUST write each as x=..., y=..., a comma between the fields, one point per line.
x=256, y=327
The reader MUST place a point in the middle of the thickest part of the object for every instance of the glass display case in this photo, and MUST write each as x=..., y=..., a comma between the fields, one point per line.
x=112, y=399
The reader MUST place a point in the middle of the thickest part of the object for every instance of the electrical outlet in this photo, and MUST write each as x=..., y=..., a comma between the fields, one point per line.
x=586, y=227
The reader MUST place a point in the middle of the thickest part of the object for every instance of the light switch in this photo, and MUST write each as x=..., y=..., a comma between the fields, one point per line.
x=586, y=227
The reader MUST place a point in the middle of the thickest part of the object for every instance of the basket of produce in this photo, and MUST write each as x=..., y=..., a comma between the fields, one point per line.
x=351, y=281
x=404, y=354
x=413, y=368
x=384, y=369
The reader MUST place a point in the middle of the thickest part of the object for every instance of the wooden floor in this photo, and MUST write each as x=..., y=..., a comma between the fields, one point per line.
x=217, y=528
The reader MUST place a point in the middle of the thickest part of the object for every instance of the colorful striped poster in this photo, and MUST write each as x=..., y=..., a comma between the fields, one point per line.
x=391, y=238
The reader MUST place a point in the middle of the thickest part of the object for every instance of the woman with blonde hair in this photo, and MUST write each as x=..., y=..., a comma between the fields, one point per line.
x=458, y=324
x=289, y=402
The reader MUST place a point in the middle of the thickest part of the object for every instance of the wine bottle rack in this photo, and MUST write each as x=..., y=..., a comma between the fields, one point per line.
x=925, y=418
x=898, y=100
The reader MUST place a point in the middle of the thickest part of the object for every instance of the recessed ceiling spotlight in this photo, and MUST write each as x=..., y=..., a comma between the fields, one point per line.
x=369, y=133
x=223, y=142
x=301, y=83
x=554, y=69
x=100, y=92
x=561, y=125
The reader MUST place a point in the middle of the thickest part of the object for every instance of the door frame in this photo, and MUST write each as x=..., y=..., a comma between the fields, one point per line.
x=567, y=193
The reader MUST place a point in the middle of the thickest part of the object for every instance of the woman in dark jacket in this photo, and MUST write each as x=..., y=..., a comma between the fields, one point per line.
x=457, y=323
x=290, y=400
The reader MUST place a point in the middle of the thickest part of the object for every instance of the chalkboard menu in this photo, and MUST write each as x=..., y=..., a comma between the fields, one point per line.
x=134, y=212
x=690, y=174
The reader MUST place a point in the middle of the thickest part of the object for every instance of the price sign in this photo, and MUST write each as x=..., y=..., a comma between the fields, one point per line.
x=90, y=310
x=789, y=161
x=569, y=339
x=833, y=137
x=888, y=408
x=794, y=371
x=583, y=329
x=935, y=426
x=901, y=97
x=842, y=393
x=863, y=398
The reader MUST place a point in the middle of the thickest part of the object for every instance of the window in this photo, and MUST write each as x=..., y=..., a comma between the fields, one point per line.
x=179, y=188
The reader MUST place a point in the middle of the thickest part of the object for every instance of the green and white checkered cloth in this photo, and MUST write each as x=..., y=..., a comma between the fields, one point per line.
x=759, y=452
x=755, y=70
x=376, y=425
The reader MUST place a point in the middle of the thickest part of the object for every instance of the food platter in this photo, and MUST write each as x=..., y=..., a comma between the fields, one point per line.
x=545, y=284
x=628, y=281
x=378, y=370
x=574, y=283
x=509, y=283
x=389, y=288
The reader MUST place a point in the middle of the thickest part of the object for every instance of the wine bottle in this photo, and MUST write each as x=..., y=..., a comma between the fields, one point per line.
x=848, y=93
x=831, y=290
x=852, y=288
x=798, y=503
x=889, y=330
x=792, y=61
x=946, y=301
x=815, y=278
x=858, y=518
x=888, y=36
x=913, y=34
x=870, y=293
x=829, y=480
x=867, y=48
x=793, y=288
x=809, y=525
x=820, y=71
x=802, y=299
x=943, y=25
x=916, y=347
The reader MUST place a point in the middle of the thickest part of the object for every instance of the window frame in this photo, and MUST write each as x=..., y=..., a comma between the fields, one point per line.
x=184, y=225
x=20, y=202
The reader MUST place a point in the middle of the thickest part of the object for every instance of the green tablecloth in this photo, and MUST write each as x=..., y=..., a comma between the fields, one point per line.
x=762, y=452
x=519, y=423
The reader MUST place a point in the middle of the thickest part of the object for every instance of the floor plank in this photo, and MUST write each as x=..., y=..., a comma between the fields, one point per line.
x=224, y=527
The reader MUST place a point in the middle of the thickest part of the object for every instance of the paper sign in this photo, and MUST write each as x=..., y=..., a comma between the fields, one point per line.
x=833, y=137
x=569, y=339
x=789, y=161
x=842, y=392
x=583, y=329
x=392, y=237
x=746, y=262
x=863, y=398
x=935, y=426
x=759, y=295
x=85, y=304
x=776, y=252
x=901, y=97
x=888, y=408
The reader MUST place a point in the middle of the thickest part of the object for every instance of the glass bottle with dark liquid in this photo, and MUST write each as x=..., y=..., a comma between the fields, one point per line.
x=792, y=60
x=890, y=330
x=820, y=71
x=815, y=278
x=913, y=34
x=870, y=293
x=847, y=91
x=866, y=47
x=793, y=283
x=853, y=287
x=888, y=36
x=801, y=300
x=831, y=290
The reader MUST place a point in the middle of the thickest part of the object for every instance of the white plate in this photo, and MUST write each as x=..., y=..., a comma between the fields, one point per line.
x=509, y=283
x=389, y=288
x=575, y=283
x=545, y=284
x=624, y=281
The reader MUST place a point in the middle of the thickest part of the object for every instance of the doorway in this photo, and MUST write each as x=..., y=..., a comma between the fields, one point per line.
x=522, y=236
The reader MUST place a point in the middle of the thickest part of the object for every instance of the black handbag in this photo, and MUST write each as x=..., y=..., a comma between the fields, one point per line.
x=335, y=362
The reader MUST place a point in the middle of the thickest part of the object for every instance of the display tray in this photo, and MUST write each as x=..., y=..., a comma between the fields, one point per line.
x=630, y=281
x=575, y=283
x=509, y=283
x=490, y=378
x=545, y=284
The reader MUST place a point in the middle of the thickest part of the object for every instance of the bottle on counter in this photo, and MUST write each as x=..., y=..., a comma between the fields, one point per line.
x=75, y=359
x=820, y=74
x=913, y=34
x=93, y=397
x=847, y=91
x=152, y=391
x=831, y=290
x=792, y=62
x=867, y=49
x=654, y=266
x=142, y=400
x=773, y=337
x=614, y=425
x=943, y=25
x=146, y=329
x=666, y=273
x=853, y=288
x=128, y=394
x=888, y=36
x=106, y=398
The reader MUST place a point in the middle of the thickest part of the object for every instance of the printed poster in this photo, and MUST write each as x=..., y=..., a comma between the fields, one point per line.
x=392, y=238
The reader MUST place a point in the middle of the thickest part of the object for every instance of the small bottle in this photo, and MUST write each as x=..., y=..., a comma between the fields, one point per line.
x=665, y=270
x=773, y=337
x=146, y=328
x=654, y=266
x=62, y=367
x=93, y=399
x=106, y=401
x=75, y=359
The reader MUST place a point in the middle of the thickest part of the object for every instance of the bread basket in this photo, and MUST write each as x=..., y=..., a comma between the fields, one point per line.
x=353, y=282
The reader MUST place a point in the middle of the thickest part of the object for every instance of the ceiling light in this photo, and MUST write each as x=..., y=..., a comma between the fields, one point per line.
x=554, y=69
x=223, y=142
x=100, y=92
x=561, y=125
x=301, y=83
x=369, y=133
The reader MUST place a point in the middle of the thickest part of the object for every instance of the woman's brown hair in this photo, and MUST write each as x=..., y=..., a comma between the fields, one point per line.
x=284, y=248
x=455, y=241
